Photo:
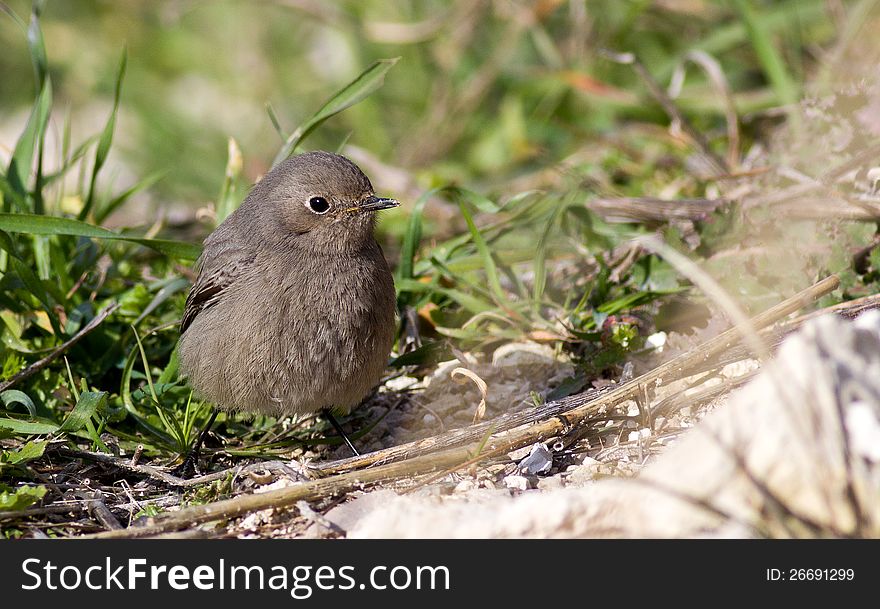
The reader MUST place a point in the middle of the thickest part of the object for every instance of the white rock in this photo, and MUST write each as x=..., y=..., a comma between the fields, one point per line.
x=656, y=341
x=465, y=485
x=519, y=483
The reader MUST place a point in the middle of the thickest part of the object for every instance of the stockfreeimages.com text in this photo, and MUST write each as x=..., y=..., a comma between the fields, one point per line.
x=300, y=580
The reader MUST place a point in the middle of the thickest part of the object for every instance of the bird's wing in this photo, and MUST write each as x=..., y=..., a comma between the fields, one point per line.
x=217, y=271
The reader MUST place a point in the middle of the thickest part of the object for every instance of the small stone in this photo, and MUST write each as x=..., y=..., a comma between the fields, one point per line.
x=401, y=383
x=550, y=483
x=465, y=485
x=582, y=476
x=657, y=341
x=864, y=430
x=539, y=461
x=519, y=483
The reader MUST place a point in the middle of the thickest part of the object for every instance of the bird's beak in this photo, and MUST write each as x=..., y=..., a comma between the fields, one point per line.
x=374, y=203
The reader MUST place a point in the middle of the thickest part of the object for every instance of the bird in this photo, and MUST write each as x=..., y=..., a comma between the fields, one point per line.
x=293, y=308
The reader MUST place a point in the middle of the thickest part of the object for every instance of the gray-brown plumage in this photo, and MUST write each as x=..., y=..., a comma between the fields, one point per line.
x=293, y=307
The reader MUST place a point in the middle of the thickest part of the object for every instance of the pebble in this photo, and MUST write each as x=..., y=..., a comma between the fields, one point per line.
x=519, y=483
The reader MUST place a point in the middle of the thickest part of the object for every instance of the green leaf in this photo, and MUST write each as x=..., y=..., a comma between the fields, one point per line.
x=164, y=293
x=53, y=225
x=636, y=299
x=273, y=117
x=20, y=498
x=23, y=156
x=785, y=87
x=14, y=396
x=42, y=259
x=428, y=354
x=358, y=89
x=485, y=254
x=11, y=333
x=38, y=289
x=69, y=160
x=468, y=302
x=539, y=266
x=6, y=243
x=413, y=236
x=483, y=204
x=128, y=402
x=228, y=201
x=30, y=451
x=28, y=427
x=11, y=195
x=170, y=371
x=36, y=46
x=105, y=140
x=86, y=407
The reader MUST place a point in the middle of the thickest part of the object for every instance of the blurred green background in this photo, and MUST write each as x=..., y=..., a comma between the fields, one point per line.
x=485, y=91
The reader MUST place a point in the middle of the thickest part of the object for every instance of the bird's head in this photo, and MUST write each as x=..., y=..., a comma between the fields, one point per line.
x=322, y=196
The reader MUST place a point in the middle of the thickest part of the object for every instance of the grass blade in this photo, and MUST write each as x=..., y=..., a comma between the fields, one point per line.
x=86, y=406
x=105, y=140
x=161, y=296
x=273, y=117
x=38, y=290
x=539, y=267
x=358, y=89
x=14, y=396
x=53, y=225
x=771, y=61
x=485, y=254
x=11, y=195
x=228, y=201
x=30, y=451
x=480, y=202
x=413, y=236
x=37, y=46
x=28, y=427
x=23, y=156
x=468, y=302
x=128, y=402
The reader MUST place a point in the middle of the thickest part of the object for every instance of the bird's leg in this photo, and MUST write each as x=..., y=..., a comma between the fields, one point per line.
x=188, y=467
x=329, y=416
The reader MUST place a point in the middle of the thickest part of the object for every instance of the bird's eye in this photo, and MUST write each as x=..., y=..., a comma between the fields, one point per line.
x=319, y=205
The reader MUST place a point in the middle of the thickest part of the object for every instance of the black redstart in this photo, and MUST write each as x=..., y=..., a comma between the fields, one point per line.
x=293, y=307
